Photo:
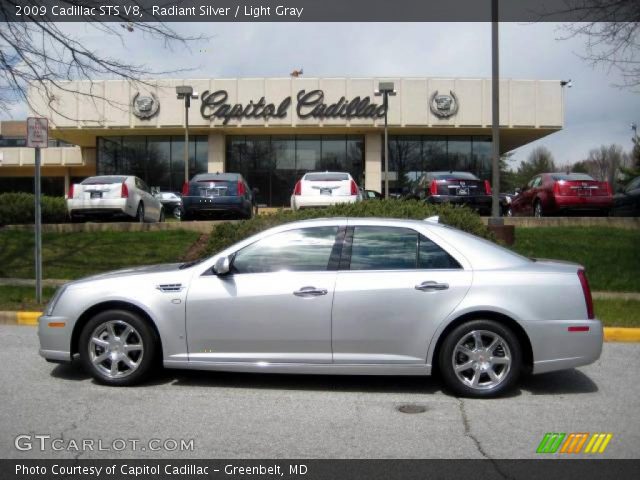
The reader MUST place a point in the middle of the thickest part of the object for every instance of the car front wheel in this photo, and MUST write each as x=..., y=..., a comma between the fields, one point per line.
x=480, y=358
x=117, y=348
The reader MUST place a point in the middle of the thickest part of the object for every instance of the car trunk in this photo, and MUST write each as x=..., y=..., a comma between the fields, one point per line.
x=581, y=188
x=326, y=186
x=460, y=187
x=97, y=190
x=213, y=188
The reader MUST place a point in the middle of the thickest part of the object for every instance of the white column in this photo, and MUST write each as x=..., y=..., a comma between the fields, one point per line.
x=373, y=161
x=217, y=152
x=67, y=179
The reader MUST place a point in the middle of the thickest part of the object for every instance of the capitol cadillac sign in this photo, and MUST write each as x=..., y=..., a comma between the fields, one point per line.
x=308, y=104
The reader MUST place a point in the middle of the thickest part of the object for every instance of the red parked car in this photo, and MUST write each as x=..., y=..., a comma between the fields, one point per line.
x=558, y=193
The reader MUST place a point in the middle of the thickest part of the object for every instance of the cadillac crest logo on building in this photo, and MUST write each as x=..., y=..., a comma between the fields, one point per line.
x=444, y=106
x=145, y=106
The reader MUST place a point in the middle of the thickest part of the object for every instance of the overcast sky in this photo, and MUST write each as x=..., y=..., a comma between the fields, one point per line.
x=596, y=112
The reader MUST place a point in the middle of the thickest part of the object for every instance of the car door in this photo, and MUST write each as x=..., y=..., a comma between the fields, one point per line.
x=392, y=291
x=523, y=203
x=274, y=306
x=152, y=205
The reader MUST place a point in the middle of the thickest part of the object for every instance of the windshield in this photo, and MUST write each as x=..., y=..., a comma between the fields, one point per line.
x=571, y=176
x=103, y=180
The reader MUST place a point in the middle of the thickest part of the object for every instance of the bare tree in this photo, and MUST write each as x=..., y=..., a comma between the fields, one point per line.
x=604, y=163
x=40, y=55
x=612, y=34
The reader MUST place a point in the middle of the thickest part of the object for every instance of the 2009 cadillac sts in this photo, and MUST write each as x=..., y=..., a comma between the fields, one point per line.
x=334, y=296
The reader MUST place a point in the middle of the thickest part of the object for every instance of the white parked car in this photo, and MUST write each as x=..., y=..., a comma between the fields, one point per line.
x=321, y=189
x=113, y=195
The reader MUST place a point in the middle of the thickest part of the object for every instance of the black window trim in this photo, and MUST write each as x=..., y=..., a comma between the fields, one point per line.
x=345, y=259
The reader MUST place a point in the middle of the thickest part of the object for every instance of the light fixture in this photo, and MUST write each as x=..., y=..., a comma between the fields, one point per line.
x=566, y=83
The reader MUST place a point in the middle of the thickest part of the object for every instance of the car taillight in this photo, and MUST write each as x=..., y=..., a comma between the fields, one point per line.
x=124, y=191
x=608, y=187
x=434, y=187
x=487, y=187
x=241, y=189
x=354, y=188
x=556, y=188
x=185, y=189
x=70, y=194
x=297, y=190
x=582, y=275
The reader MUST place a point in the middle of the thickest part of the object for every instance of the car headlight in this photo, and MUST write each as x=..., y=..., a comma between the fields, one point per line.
x=54, y=300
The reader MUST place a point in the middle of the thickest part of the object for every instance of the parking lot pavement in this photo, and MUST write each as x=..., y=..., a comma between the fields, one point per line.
x=280, y=416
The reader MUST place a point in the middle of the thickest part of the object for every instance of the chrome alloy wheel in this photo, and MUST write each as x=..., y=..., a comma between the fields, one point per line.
x=116, y=349
x=481, y=360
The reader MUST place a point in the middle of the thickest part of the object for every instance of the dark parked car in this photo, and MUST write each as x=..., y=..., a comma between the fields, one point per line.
x=218, y=194
x=171, y=202
x=370, y=194
x=557, y=193
x=461, y=188
x=627, y=202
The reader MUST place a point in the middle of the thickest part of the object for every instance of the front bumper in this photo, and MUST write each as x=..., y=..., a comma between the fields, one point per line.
x=556, y=348
x=55, y=342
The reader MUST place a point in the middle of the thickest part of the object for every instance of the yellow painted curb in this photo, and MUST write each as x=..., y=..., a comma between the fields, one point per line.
x=28, y=318
x=617, y=334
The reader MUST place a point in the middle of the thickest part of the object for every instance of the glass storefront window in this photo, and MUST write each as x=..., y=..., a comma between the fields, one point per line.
x=482, y=157
x=308, y=153
x=158, y=160
x=459, y=152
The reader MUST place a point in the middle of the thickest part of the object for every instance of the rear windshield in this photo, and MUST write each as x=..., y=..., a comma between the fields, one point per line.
x=103, y=180
x=571, y=176
x=454, y=176
x=326, y=177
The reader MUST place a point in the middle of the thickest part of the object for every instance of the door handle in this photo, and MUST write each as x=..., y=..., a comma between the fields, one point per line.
x=310, y=292
x=430, y=286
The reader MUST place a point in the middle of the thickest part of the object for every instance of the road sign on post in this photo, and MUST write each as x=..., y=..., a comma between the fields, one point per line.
x=38, y=137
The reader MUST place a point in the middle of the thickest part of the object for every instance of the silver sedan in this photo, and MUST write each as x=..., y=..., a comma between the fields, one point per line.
x=334, y=296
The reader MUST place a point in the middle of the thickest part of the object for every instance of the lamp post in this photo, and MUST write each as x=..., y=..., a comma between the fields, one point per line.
x=186, y=92
x=495, y=115
x=634, y=127
x=386, y=89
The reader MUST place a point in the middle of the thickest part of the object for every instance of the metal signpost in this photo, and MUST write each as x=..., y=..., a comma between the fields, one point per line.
x=38, y=137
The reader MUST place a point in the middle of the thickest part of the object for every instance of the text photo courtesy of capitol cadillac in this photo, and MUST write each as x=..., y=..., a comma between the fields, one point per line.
x=304, y=239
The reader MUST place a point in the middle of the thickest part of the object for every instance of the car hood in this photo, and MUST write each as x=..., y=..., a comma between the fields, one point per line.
x=127, y=272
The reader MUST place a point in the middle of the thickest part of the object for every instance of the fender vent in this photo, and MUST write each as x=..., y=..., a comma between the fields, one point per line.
x=170, y=287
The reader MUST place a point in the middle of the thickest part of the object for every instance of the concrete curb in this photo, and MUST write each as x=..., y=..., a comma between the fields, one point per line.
x=611, y=334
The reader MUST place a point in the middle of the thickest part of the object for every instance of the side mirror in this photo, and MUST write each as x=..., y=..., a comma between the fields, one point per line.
x=222, y=266
x=518, y=191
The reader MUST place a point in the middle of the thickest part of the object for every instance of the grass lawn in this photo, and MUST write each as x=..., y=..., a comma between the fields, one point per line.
x=618, y=313
x=610, y=255
x=75, y=255
x=613, y=313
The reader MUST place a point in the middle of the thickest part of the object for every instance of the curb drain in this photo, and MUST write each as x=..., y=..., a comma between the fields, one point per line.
x=411, y=408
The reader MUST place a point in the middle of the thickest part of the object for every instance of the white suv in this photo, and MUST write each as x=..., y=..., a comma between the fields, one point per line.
x=321, y=189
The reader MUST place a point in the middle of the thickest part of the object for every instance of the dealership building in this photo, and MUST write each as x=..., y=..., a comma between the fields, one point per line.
x=272, y=130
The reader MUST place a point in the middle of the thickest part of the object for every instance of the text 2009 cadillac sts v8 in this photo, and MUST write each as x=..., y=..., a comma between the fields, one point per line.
x=334, y=296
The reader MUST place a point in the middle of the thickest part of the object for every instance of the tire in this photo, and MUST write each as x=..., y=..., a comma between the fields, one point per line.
x=161, y=219
x=177, y=213
x=140, y=213
x=537, y=209
x=475, y=381
x=141, y=334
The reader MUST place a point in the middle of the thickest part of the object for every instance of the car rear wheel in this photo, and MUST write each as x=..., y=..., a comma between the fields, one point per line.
x=140, y=213
x=480, y=358
x=117, y=348
x=537, y=209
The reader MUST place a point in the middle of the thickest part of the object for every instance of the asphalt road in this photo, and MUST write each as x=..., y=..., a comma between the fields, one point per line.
x=280, y=416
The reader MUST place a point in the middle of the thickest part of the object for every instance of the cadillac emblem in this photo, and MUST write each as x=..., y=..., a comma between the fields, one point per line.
x=145, y=106
x=444, y=106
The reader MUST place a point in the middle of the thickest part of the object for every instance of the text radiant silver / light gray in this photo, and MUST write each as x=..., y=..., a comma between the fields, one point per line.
x=334, y=296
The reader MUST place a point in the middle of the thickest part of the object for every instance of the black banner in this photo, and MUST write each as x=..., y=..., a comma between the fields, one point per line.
x=579, y=469
x=316, y=10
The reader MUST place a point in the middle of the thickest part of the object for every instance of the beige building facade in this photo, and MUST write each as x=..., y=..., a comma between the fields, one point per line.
x=274, y=129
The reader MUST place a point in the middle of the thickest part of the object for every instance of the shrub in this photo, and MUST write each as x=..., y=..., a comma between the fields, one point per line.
x=463, y=218
x=19, y=208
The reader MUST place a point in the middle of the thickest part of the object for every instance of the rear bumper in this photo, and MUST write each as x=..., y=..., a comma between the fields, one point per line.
x=567, y=203
x=477, y=202
x=213, y=205
x=555, y=348
x=99, y=206
x=321, y=201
